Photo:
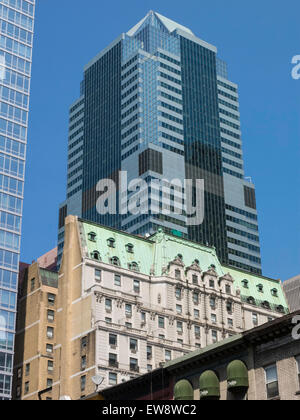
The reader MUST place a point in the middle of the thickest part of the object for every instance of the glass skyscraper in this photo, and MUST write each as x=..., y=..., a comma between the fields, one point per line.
x=16, y=36
x=158, y=104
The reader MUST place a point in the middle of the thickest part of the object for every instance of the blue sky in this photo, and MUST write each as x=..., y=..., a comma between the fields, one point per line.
x=257, y=39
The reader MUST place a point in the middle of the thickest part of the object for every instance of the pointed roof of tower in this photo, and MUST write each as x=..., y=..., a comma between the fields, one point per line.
x=169, y=24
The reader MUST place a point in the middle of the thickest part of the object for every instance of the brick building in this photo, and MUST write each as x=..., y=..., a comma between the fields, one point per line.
x=259, y=364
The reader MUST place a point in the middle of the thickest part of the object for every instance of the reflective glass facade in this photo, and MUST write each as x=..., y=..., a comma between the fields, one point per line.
x=159, y=91
x=16, y=37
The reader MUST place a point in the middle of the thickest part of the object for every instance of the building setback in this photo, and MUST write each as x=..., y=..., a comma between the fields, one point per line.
x=259, y=364
x=127, y=304
x=291, y=288
x=158, y=104
x=36, y=329
x=16, y=40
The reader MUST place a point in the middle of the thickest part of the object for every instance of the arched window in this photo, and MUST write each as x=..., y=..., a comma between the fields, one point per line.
x=115, y=261
x=266, y=305
x=92, y=236
x=183, y=391
x=96, y=255
x=209, y=386
x=251, y=300
x=134, y=266
x=280, y=309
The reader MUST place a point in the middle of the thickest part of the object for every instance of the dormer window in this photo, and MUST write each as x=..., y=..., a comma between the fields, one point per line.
x=115, y=261
x=211, y=284
x=197, y=262
x=96, y=256
x=111, y=242
x=129, y=248
x=280, y=309
x=251, y=300
x=213, y=266
x=134, y=266
x=260, y=288
x=274, y=292
x=180, y=257
x=92, y=236
x=245, y=284
x=266, y=305
x=178, y=274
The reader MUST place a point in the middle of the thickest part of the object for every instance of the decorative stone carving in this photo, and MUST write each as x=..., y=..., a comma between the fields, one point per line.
x=99, y=297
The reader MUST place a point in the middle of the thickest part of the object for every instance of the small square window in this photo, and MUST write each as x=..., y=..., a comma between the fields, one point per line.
x=113, y=340
x=134, y=365
x=272, y=382
x=51, y=299
x=211, y=284
x=50, y=315
x=214, y=318
x=149, y=352
x=83, y=343
x=178, y=293
x=230, y=322
x=195, y=279
x=83, y=362
x=133, y=345
x=98, y=274
x=27, y=369
x=49, y=383
x=149, y=368
x=49, y=348
x=128, y=325
x=143, y=317
x=117, y=280
x=128, y=310
x=108, y=305
x=177, y=274
x=136, y=286
x=161, y=322
x=214, y=335
x=82, y=383
x=196, y=313
x=197, y=331
x=179, y=309
x=26, y=388
x=50, y=332
x=113, y=360
x=179, y=327
x=255, y=319
x=108, y=320
x=168, y=355
x=50, y=366
x=112, y=378
x=196, y=298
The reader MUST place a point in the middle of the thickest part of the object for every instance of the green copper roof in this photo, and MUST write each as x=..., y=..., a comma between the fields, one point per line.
x=153, y=255
x=252, y=289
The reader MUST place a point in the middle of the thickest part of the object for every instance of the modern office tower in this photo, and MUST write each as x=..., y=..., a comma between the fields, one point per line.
x=291, y=288
x=157, y=104
x=128, y=304
x=16, y=36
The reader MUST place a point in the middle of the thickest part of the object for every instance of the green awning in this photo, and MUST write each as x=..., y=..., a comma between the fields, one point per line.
x=183, y=391
x=209, y=385
x=237, y=375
